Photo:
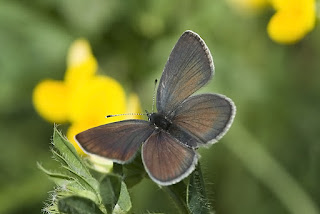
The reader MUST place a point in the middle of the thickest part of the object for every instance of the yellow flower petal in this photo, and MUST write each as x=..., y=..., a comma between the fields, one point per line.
x=77, y=75
x=310, y=14
x=282, y=4
x=81, y=63
x=291, y=4
x=133, y=106
x=50, y=99
x=84, y=99
x=96, y=99
x=98, y=116
x=285, y=27
x=293, y=20
x=79, y=52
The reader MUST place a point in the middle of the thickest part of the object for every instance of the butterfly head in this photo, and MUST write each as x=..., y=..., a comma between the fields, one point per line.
x=159, y=121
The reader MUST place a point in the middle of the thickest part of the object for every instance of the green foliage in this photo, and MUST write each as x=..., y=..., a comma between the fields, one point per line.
x=77, y=190
x=190, y=194
x=78, y=205
x=124, y=203
x=197, y=200
x=134, y=172
x=110, y=188
x=178, y=194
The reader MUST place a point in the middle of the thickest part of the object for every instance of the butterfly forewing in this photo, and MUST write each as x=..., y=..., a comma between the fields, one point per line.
x=117, y=141
x=206, y=117
x=166, y=160
x=188, y=68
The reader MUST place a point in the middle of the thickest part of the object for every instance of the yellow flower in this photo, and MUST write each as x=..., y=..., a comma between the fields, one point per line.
x=84, y=98
x=44, y=95
x=292, y=21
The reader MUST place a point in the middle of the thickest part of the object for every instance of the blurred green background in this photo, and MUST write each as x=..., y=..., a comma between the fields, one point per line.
x=267, y=163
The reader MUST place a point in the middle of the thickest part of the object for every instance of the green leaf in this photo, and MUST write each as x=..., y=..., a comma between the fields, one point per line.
x=73, y=187
x=69, y=154
x=124, y=203
x=58, y=157
x=197, y=200
x=117, y=169
x=78, y=205
x=74, y=163
x=69, y=183
x=110, y=188
x=134, y=172
x=86, y=183
x=178, y=194
x=67, y=176
x=59, y=178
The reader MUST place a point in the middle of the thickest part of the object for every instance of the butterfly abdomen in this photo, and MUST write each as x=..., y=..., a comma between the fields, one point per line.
x=159, y=121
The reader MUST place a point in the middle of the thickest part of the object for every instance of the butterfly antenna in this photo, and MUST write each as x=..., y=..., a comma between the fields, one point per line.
x=154, y=92
x=115, y=115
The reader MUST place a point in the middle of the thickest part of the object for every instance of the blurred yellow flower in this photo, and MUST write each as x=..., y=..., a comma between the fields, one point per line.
x=83, y=98
x=292, y=21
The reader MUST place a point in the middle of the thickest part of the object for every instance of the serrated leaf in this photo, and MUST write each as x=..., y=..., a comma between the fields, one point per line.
x=110, y=188
x=69, y=154
x=78, y=205
x=124, y=202
x=74, y=163
x=84, y=182
x=69, y=183
x=59, y=158
x=197, y=200
x=74, y=189
x=58, y=178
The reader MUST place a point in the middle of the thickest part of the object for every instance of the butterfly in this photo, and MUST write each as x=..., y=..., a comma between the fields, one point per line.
x=184, y=122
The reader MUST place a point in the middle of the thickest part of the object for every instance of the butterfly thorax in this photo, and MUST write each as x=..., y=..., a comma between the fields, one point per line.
x=159, y=121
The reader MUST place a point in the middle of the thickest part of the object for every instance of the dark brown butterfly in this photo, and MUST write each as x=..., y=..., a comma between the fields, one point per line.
x=183, y=122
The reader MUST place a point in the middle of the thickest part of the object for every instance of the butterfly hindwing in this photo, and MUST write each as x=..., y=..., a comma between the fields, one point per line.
x=117, y=141
x=166, y=160
x=207, y=117
x=188, y=68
